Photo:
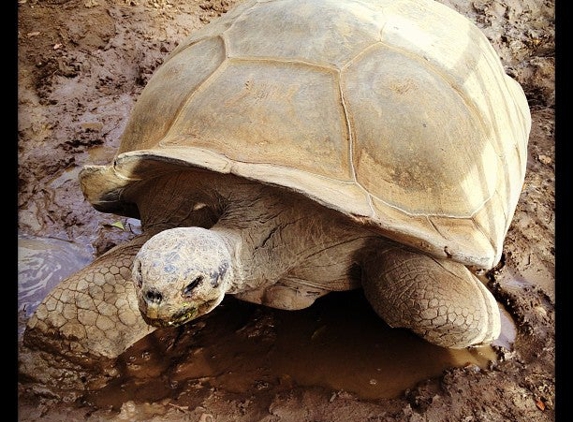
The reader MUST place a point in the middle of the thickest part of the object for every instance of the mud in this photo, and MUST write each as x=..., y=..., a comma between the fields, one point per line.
x=81, y=66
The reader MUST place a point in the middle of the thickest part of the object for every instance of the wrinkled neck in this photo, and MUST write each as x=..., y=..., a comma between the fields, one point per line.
x=273, y=232
x=234, y=244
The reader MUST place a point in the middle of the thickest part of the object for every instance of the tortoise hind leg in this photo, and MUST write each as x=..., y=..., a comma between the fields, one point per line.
x=89, y=318
x=440, y=300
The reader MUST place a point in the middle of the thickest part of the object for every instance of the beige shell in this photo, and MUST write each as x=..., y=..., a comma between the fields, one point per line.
x=397, y=113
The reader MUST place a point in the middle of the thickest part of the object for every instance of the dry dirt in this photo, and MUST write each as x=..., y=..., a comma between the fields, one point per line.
x=81, y=66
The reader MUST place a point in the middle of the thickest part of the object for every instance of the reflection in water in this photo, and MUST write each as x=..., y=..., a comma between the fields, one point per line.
x=508, y=331
x=42, y=264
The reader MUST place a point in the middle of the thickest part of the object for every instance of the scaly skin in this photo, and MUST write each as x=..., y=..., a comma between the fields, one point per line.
x=89, y=318
x=438, y=299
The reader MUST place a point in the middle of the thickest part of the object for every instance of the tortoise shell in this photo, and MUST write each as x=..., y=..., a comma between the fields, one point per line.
x=396, y=113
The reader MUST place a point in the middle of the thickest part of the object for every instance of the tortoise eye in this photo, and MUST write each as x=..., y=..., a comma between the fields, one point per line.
x=188, y=290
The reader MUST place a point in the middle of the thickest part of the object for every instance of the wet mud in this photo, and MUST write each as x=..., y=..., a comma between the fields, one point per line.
x=338, y=344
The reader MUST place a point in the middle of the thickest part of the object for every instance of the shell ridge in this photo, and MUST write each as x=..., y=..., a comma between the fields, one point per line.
x=361, y=53
x=484, y=232
x=524, y=120
x=207, y=81
x=505, y=208
x=414, y=214
x=120, y=175
x=350, y=126
x=232, y=25
x=270, y=59
x=200, y=87
x=351, y=137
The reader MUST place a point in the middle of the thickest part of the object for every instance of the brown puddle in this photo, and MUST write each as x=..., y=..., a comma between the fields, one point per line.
x=339, y=343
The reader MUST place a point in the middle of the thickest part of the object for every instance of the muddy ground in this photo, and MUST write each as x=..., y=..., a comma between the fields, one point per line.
x=81, y=66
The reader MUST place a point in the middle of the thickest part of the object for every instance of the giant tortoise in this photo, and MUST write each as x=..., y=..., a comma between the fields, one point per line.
x=292, y=148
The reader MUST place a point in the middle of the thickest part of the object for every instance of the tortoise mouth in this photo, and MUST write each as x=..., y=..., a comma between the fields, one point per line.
x=176, y=320
x=182, y=316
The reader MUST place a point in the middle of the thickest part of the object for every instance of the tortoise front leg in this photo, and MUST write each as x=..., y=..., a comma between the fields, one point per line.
x=89, y=318
x=438, y=299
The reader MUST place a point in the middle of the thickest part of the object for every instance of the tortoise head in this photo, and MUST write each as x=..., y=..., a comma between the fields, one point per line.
x=181, y=274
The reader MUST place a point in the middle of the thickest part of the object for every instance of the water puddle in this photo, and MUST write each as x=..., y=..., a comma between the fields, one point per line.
x=42, y=264
x=339, y=343
x=508, y=331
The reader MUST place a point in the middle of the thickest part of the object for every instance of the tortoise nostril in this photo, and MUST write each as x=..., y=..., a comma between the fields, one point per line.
x=153, y=297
